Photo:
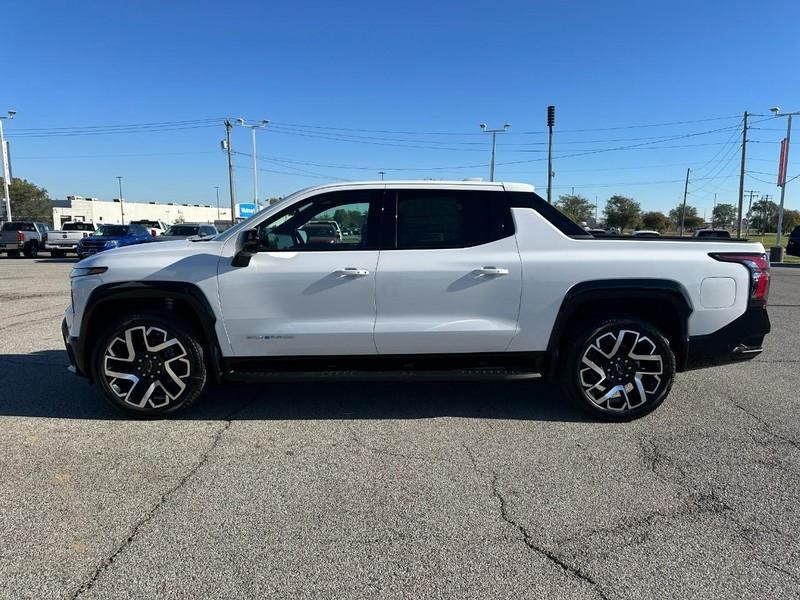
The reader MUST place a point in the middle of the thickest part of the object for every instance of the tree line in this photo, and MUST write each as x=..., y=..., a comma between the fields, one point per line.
x=626, y=213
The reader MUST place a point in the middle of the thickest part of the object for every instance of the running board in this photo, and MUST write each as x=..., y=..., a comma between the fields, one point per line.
x=408, y=375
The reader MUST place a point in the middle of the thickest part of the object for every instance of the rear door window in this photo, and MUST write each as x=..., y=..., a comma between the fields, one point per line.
x=450, y=218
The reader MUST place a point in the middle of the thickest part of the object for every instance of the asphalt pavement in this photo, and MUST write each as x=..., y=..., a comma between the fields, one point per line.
x=380, y=490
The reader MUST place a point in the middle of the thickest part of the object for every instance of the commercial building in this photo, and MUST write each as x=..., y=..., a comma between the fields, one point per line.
x=78, y=208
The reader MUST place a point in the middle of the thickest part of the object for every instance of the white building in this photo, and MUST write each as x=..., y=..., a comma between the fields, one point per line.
x=78, y=208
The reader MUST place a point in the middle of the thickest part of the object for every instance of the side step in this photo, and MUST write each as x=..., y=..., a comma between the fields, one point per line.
x=487, y=374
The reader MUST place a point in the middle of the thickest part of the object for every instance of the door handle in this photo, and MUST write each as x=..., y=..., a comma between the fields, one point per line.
x=490, y=271
x=352, y=272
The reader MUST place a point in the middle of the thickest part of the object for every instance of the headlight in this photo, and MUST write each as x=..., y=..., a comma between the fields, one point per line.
x=84, y=271
x=111, y=244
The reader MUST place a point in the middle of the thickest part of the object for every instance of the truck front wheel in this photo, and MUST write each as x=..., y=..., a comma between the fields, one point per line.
x=149, y=365
x=619, y=369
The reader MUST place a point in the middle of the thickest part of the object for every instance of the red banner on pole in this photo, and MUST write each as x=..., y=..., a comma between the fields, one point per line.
x=782, y=163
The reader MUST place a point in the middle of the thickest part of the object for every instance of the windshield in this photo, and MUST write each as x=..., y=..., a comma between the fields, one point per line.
x=319, y=230
x=18, y=226
x=183, y=230
x=249, y=222
x=77, y=227
x=111, y=230
x=148, y=223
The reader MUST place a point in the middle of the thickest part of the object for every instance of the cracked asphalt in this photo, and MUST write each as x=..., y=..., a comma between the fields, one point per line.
x=479, y=490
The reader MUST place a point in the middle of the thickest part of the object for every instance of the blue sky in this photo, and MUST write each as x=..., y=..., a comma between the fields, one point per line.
x=431, y=71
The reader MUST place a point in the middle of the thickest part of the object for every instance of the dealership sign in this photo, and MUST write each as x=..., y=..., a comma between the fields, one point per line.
x=245, y=210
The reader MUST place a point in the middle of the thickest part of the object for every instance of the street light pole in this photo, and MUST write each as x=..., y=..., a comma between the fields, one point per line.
x=551, y=121
x=253, y=126
x=121, y=208
x=381, y=173
x=776, y=252
x=494, y=133
x=216, y=187
x=6, y=169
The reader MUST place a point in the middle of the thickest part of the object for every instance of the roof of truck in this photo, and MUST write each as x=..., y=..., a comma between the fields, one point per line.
x=507, y=186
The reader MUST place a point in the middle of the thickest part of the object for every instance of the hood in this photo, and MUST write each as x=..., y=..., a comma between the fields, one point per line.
x=172, y=261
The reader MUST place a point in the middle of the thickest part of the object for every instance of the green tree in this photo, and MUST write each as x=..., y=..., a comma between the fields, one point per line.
x=623, y=212
x=791, y=219
x=724, y=215
x=656, y=221
x=576, y=206
x=29, y=201
x=763, y=216
x=691, y=221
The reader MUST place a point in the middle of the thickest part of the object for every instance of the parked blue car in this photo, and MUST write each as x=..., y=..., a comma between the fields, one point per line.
x=108, y=237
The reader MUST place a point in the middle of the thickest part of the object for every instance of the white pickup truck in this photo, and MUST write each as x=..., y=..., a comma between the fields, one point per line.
x=66, y=239
x=451, y=280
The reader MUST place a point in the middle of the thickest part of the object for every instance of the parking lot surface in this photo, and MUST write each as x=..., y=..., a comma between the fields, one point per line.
x=495, y=490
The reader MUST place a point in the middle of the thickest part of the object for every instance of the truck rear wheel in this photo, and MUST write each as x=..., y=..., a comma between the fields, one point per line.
x=619, y=369
x=31, y=249
x=149, y=365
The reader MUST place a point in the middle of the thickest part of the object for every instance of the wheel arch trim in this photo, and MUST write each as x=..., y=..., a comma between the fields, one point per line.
x=619, y=289
x=189, y=293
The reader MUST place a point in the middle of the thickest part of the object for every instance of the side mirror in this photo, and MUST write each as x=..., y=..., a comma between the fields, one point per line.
x=246, y=247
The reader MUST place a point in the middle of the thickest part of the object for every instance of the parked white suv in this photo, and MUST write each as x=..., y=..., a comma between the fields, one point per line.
x=446, y=280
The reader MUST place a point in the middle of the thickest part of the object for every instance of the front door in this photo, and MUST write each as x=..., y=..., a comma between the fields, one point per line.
x=453, y=282
x=310, y=290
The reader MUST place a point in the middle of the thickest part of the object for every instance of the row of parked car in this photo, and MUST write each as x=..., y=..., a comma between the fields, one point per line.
x=700, y=233
x=84, y=238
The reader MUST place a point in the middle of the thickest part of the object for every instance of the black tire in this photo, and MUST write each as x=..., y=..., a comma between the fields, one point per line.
x=13, y=254
x=169, y=376
x=619, y=369
x=57, y=253
x=31, y=249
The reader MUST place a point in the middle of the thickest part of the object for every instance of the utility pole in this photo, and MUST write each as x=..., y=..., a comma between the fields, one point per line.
x=551, y=121
x=595, y=210
x=713, y=219
x=216, y=187
x=231, y=184
x=765, y=200
x=6, y=167
x=685, y=192
x=750, y=207
x=381, y=173
x=741, y=176
x=253, y=126
x=776, y=252
x=494, y=133
x=121, y=207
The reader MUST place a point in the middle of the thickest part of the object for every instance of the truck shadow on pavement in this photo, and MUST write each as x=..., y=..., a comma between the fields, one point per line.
x=39, y=385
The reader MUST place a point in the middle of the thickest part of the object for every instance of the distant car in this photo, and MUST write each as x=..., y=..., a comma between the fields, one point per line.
x=108, y=237
x=182, y=231
x=598, y=232
x=321, y=234
x=646, y=233
x=155, y=228
x=333, y=224
x=793, y=247
x=66, y=239
x=27, y=237
x=722, y=234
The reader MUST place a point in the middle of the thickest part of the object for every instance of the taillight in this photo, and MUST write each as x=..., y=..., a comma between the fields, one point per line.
x=20, y=236
x=758, y=265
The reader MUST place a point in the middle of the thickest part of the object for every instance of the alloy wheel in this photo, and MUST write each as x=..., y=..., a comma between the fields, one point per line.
x=146, y=367
x=621, y=370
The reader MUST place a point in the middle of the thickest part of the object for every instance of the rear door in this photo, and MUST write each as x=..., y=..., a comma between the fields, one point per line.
x=451, y=281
